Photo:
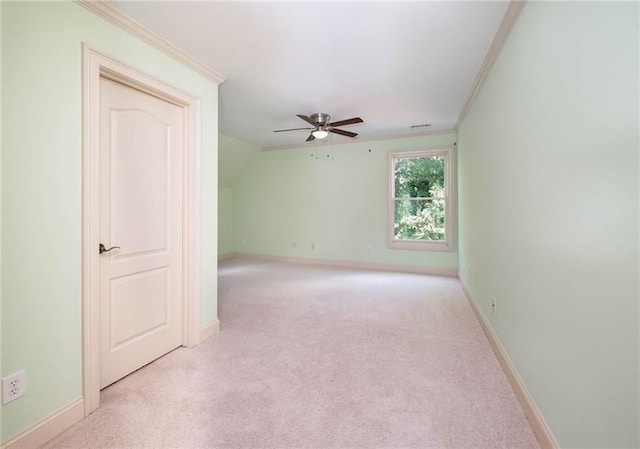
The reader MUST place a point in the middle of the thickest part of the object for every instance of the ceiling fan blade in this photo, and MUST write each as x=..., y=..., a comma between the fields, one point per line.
x=292, y=129
x=306, y=119
x=342, y=132
x=310, y=138
x=349, y=121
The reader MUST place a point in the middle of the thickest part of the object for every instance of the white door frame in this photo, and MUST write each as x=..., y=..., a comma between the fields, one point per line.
x=95, y=65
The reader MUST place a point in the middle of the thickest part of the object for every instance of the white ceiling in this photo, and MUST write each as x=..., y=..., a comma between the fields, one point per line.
x=393, y=64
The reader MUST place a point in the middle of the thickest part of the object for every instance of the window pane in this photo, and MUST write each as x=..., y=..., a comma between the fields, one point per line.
x=419, y=177
x=419, y=220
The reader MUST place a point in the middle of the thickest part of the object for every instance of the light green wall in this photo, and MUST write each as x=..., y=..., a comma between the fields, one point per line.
x=333, y=196
x=233, y=156
x=41, y=193
x=225, y=220
x=548, y=170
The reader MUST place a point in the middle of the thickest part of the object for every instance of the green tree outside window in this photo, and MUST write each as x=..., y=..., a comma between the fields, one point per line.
x=419, y=198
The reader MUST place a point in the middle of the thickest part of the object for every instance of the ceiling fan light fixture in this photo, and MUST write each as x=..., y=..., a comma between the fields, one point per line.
x=320, y=133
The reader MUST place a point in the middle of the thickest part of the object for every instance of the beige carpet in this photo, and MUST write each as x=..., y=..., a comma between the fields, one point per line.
x=316, y=357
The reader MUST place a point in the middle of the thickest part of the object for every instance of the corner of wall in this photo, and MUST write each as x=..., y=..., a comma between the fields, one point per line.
x=225, y=221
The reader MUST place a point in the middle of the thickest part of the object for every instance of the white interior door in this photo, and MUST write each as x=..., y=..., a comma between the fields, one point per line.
x=141, y=212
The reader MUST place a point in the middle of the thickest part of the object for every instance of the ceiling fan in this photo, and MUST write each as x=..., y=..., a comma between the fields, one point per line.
x=322, y=126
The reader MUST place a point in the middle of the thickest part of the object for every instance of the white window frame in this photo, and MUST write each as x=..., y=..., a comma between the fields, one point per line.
x=424, y=245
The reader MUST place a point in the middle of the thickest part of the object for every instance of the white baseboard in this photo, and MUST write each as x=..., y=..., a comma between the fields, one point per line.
x=537, y=421
x=209, y=330
x=48, y=428
x=437, y=271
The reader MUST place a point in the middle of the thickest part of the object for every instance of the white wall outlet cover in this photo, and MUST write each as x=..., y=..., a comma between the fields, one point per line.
x=14, y=386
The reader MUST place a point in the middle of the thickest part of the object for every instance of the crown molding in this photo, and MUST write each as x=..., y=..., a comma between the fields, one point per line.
x=106, y=11
x=508, y=21
x=326, y=143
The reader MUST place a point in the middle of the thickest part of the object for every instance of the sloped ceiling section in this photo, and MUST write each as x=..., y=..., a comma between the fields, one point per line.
x=233, y=157
x=394, y=64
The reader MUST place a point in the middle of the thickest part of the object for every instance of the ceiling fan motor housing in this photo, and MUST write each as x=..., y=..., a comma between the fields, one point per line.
x=320, y=118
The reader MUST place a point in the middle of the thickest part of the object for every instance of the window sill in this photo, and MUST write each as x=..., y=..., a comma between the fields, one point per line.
x=417, y=245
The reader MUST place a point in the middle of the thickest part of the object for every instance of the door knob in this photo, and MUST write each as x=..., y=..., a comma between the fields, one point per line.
x=106, y=250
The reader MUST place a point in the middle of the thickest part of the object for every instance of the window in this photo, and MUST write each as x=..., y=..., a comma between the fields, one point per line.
x=420, y=207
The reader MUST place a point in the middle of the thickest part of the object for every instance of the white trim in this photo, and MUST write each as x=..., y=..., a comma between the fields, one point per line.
x=90, y=202
x=48, y=428
x=191, y=226
x=449, y=243
x=106, y=11
x=537, y=421
x=435, y=271
x=95, y=65
x=209, y=330
x=328, y=143
x=508, y=21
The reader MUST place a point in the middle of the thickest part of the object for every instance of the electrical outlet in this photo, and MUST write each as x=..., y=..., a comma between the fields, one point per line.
x=293, y=245
x=369, y=249
x=494, y=304
x=313, y=247
x=13, y=387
